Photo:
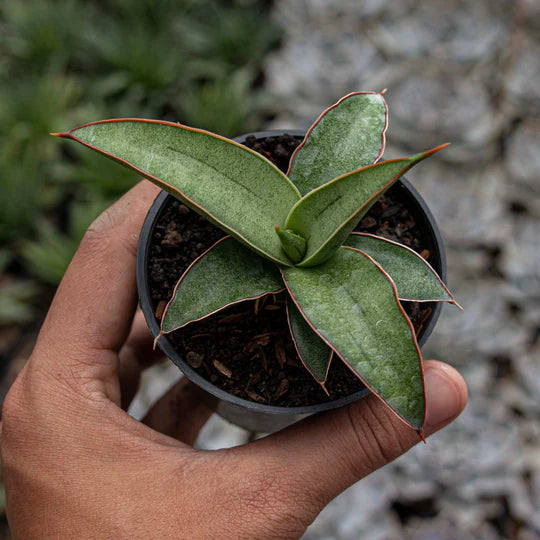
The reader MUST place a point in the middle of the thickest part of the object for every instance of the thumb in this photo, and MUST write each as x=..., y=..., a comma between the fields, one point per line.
x=322, y=456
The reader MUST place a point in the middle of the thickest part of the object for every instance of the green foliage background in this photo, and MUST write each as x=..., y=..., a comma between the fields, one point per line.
x=67, y=62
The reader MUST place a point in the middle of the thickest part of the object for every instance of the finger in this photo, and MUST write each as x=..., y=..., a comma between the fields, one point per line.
x=319, y=458
x=137, y=354
x=93, y=308
x=181, y=412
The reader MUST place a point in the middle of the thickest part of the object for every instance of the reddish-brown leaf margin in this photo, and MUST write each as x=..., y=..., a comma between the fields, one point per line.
x=300, y=354
x=221, y=240
x=420, y=430
x=452, y=301
x=326, y=111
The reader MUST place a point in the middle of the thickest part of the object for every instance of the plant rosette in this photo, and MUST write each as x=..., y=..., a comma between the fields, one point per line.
x=292, y=234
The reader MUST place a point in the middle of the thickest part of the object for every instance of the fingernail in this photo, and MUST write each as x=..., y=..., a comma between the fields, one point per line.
x=443, y=396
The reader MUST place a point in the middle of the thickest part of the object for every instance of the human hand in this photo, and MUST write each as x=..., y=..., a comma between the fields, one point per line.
x=76, y=465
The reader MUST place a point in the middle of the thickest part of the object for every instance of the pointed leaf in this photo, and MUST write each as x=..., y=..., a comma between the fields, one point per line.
x=234, y=187
x=293, y=244
x=354, y=307
x=314, y=353
x=327, y=215
x=413, y=276
x=226, y=274
x=345, y=137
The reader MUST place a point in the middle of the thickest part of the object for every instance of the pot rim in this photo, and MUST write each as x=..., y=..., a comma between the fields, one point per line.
x=170, y=351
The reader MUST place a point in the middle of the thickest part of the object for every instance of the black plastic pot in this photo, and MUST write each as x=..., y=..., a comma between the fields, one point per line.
x=247, y=414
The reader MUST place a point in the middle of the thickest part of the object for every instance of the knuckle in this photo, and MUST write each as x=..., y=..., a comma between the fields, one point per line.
x=93, y=244
x=106, y=234
x=79, y=381
x=99, y=233
x=376, y=435
x=29, y=404
x=17, y=428
x=105, y=223
x=13, y=406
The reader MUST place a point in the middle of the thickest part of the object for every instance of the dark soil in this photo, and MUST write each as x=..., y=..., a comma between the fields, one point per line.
x=247, y=349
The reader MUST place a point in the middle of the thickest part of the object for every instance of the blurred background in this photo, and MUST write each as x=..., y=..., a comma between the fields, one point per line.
x=465, y=71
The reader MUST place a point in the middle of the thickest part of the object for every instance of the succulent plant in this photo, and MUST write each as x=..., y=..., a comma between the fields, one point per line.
x=294, y=232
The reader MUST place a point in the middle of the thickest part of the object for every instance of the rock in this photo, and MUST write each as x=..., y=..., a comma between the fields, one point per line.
x=523, y=166
x=443, y=529
x=155, y=381
x=530, y=14
x=172, y=239
x=521, y=256
x=446, y=31
x=434, y=104
x=325, y=68
x=467, y=203
x=359, y=512
x=523, y=159
x=484, y=329
x=523, y=82
x=194, y=359
x=218, y=433
x=528, y=373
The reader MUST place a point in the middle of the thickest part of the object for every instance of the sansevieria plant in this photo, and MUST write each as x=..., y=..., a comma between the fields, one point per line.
x=293, y=232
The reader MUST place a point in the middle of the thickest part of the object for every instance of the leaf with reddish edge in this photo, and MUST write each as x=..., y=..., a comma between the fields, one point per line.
x=413, y=276
x=225, y=274
x=326, y=216
x=312, y=350
x=234, y=187
x=353, y=305
x=348, y=135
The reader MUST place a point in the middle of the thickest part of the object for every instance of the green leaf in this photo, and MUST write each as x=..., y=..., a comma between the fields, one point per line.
x=226, y=274
x=413, y=276
x=312, y=350
x=345, y=137
x=232, y=186
x=327, y=215
x=355, y=308
x=293, y=244
x=49, y=256
x=5, y=259
x=227, y=105
x=16, y=301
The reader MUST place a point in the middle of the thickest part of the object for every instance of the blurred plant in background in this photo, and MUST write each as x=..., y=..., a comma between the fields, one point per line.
x=66, y=62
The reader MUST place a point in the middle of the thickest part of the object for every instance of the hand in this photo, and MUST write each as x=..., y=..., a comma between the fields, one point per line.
x=77, y=466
